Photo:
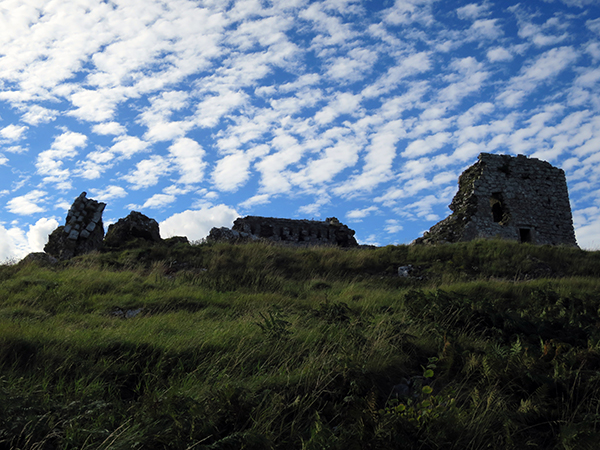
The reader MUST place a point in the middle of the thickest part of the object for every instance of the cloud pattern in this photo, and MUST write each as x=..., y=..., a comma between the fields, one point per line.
x=196, y=112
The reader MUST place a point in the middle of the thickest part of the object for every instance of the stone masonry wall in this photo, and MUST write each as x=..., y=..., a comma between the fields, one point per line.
x=516, y=198
x=82, y=232
x=289, y=231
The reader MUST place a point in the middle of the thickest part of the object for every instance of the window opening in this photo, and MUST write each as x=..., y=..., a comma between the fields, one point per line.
x=496, y=202
x=525, y=234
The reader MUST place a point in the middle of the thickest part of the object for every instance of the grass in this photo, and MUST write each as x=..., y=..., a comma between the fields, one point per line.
x=488, y=344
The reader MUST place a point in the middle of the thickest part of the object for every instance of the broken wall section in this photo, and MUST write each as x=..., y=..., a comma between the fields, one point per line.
x=288, y=231
x=82, y=232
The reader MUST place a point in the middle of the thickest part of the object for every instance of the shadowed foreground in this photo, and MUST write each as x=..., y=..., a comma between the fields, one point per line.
x=486, y=344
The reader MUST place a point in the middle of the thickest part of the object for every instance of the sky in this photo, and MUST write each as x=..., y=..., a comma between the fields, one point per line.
x=198, y=112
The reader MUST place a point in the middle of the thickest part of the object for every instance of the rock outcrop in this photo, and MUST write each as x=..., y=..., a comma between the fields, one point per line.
x=516, y=198
x=133, y=227
x=83, y=231
x=287, y=231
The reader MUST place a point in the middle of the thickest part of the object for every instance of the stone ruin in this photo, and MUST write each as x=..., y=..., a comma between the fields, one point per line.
x=82, y=232
x=516, y=198
x=287, y=231
x=135, y=226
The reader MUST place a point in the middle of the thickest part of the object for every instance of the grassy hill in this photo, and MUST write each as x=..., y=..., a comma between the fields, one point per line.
x=486, y=344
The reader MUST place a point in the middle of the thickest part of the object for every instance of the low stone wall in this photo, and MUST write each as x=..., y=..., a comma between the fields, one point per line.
x=288, y=231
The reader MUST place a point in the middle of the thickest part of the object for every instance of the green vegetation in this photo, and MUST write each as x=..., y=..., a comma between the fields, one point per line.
x=487, y=345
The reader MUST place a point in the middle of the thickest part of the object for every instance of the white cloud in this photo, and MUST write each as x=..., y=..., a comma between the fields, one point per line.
x=594, y=25
x=37, y=236
x=314, y=209
x=546, y=66
x=538, y=33
x=128, y=146
x=356, y=215
x=16, y=243
x=16, y=149
x=12, y=133
x=108, y=193
x=405, y=12
x=8, y=251
x=158, y=201
x=211, y=109
x=471, y=11
x=587, y=224
x=37, y=114
x=499, y=54
x=353, y=67
x=109, y=128
x=49, y=163
x=196, y=224
x=259, y=199
x=485, y=29
x=378, y=160
x=188, y=156
x=393, y=226
x=147, y=172
x=232, y=171
x=343, y=103
x=425, y=146
x=407, y=65
x=27, y=204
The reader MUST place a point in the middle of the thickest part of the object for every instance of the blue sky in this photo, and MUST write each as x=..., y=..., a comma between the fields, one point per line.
x=198, y=112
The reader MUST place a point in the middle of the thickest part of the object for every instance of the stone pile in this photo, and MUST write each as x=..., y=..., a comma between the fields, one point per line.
x=287, y=231
x=82, y=232
x=516, y=198
x=133, y=227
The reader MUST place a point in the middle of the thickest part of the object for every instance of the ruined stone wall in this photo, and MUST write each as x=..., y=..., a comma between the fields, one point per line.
x=517, y=198
x=289, y=231
x=82, y=232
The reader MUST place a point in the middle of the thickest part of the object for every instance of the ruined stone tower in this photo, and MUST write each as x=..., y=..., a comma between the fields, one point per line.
x=516, y=198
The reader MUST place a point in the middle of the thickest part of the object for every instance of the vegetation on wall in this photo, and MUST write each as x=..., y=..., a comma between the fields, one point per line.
x=486, y=344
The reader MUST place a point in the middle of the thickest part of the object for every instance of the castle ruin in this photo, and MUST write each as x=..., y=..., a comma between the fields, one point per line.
x=517, y=198
x=287, y=231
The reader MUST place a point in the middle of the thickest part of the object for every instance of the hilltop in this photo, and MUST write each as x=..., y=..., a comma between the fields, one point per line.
x=485, y=344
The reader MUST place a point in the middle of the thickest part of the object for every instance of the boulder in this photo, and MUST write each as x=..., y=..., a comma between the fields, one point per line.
x=41, y=258
x=83, y=231
x=136, y=226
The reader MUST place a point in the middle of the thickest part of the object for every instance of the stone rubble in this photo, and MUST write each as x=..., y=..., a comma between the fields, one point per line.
x=135, y=226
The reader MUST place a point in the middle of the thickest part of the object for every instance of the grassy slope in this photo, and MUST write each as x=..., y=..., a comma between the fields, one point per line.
x=497, y=345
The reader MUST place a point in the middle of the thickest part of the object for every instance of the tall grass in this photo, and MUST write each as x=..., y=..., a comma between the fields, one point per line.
x=486, y=345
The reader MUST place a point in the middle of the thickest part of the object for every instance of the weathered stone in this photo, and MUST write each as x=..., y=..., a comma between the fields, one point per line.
x=287, y=231
x=516, y=198
x=40, y=258
x=67, y=241
x=135, y=226
x=224, y=234
x=176, y=240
